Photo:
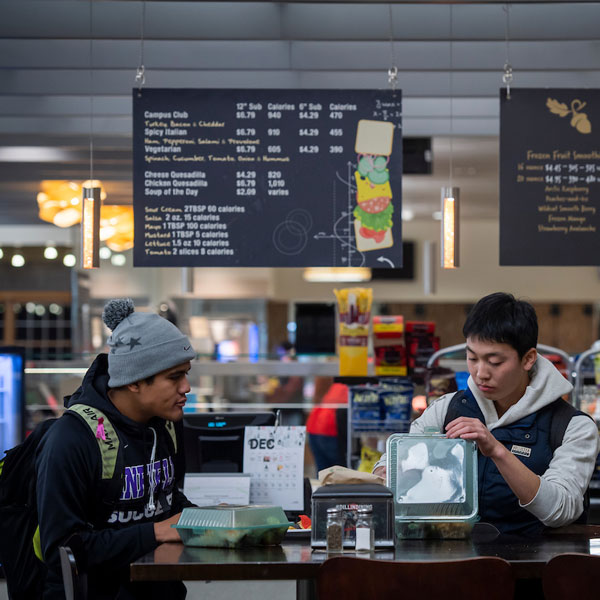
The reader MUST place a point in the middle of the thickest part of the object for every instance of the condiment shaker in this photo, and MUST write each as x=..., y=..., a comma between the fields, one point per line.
x=365, y=534
x=335, y=530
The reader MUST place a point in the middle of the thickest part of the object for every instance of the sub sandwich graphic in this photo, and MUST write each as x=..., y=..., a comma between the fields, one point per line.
x=374, y=208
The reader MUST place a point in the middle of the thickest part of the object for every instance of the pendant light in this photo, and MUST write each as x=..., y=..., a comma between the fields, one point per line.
x=450, y=195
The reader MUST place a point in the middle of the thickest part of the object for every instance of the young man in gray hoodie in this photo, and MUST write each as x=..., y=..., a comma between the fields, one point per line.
x=510, y=409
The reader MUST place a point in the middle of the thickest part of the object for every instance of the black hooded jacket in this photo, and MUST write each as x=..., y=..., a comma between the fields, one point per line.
x=114, y=531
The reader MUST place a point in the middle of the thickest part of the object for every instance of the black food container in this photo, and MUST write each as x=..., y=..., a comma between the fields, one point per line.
x=350, y=497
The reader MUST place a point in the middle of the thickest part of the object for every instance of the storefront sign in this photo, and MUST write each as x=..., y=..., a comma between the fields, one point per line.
x=267, y=178
x=550, y=177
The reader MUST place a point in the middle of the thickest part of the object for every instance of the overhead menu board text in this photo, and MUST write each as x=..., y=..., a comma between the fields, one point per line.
x=550, y=177
x=271, y=178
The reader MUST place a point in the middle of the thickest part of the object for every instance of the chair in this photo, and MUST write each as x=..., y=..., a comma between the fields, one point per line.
x=571, y=575
x=371, y=579
x=74, y=581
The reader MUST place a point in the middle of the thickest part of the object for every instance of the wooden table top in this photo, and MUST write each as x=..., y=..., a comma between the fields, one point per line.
x=294, y=559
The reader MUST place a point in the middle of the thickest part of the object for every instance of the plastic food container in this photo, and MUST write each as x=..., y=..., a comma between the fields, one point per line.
x=232, y=526
x=434, y=481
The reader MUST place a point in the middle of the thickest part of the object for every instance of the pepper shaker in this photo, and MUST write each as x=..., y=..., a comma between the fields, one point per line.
x=335, y=530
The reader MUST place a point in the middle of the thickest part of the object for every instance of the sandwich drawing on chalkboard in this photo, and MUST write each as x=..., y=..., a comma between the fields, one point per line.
x=374, y=208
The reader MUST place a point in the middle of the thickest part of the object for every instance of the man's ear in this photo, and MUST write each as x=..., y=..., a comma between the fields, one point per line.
x=529, y=359
x=134, y=387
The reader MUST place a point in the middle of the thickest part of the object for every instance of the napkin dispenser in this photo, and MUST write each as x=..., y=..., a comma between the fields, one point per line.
x=350, y=497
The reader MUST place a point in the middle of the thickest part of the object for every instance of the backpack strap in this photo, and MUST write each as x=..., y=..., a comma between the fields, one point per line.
x=453, y=411
x=170, y=427
x=108, y=444
x=562, y=413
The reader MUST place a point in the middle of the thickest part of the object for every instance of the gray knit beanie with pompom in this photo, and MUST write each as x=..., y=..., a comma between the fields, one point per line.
x=141, y=344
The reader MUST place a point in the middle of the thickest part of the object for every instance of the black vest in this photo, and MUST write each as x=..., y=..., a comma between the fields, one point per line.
x=532, y=440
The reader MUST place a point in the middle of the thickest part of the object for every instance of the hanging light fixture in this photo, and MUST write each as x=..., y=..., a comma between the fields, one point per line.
x=450, y=195
x=450, y=228
x=59, y=201
x=116, y=227
x=333, y=274
x=90, y=228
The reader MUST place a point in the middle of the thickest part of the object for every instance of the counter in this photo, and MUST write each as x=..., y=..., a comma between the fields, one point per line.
x=295, y=560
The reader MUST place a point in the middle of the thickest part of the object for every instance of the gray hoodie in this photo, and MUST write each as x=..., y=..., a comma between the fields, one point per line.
x=559, y=500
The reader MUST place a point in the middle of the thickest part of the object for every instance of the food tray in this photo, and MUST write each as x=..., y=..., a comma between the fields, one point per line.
x=232, y=515
x=232, y=526
x=232, y=537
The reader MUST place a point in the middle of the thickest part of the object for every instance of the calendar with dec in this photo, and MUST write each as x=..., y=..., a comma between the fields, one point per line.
x=274, y=458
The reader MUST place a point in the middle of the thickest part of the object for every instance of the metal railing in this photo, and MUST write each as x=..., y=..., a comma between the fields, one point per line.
x=577, y=372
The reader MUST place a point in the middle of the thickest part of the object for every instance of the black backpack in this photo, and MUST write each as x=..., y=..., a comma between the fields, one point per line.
x=20, y=548
x=24, y=572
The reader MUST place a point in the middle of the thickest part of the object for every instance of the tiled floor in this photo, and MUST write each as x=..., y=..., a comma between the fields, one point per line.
x=228, y=590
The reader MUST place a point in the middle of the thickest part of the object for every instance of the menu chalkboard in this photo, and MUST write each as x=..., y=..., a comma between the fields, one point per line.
x=267, y=178
x=550, y=177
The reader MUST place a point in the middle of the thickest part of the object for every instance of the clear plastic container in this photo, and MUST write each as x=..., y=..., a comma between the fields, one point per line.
x=232, y=526
x=434, y=480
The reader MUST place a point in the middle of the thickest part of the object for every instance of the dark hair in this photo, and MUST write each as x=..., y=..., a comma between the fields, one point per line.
x=500, y=317
x=147, y=381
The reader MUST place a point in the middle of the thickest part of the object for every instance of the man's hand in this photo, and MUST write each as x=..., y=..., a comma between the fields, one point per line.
x=473, y=429
x=380, y=471
x=163, y=532
x=521, y=480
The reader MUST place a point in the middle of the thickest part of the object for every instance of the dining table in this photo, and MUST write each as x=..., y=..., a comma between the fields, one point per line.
x=294, y=559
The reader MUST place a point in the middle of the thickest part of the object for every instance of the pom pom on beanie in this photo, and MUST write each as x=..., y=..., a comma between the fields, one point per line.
x=116, y=310
x=142, y=344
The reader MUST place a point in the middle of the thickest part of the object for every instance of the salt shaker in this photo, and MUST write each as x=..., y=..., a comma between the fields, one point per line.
x=365, y=534
x=335, y=530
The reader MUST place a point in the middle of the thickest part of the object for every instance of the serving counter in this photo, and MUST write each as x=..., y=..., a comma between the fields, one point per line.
x=295, y=560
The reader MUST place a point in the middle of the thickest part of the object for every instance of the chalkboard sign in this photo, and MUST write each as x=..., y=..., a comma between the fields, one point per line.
x=550, y=177
x=267, y=178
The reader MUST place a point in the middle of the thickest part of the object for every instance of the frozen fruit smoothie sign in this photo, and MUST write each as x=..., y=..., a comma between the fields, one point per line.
x=550, y=177
x=270, y=178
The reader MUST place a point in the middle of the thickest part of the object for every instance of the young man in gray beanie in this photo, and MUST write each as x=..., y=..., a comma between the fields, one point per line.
x=106, y=480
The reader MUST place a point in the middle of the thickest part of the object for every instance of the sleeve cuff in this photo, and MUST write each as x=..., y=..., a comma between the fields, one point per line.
x=148, y=538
